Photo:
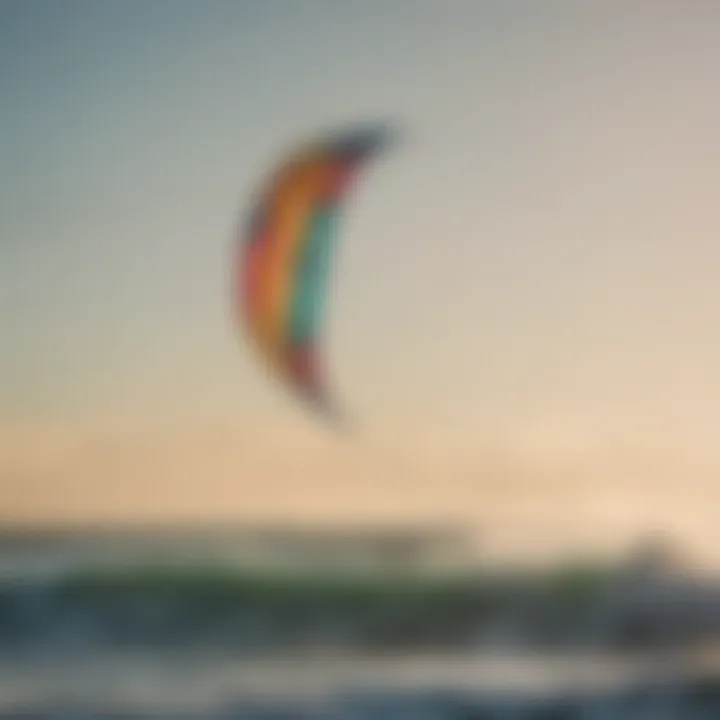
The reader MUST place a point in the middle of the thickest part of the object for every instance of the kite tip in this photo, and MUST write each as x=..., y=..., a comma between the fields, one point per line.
x=368, y=138
x=331, y=412
x=344, y=424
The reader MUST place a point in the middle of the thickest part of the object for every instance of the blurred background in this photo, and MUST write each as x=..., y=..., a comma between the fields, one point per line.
x=521, y=316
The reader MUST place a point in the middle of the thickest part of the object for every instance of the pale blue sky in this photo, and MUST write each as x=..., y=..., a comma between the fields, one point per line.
x=538, y=255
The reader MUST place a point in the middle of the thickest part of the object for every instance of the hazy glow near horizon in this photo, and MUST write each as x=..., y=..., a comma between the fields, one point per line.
x=529, y=275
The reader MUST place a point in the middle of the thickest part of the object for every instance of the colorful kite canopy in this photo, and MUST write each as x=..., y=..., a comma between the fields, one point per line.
x=285, y=253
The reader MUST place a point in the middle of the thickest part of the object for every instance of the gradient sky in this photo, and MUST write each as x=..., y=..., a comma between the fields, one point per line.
x=528, y=280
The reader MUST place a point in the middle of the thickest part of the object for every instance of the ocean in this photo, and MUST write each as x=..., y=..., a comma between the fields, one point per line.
x=83, y=635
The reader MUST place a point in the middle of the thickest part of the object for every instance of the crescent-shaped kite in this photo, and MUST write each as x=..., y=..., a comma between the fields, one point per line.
x=284, y=255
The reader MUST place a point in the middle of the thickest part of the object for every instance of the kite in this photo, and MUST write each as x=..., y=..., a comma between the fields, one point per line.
x=284, y=255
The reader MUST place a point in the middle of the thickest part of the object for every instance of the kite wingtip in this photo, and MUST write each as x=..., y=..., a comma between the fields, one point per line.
x=368, y=138
x=339, y=419
x=344, y=424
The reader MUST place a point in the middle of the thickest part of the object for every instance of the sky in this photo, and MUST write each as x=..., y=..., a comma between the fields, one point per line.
x=523, y=313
